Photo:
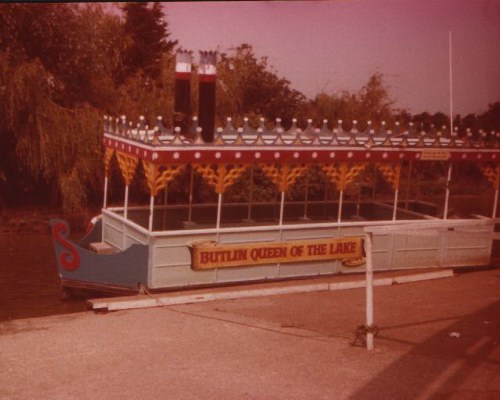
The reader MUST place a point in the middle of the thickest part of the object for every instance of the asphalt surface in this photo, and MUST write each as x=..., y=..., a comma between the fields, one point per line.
x=438, y=339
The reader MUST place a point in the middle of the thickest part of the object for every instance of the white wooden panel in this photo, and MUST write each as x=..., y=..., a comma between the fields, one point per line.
x=247, y=273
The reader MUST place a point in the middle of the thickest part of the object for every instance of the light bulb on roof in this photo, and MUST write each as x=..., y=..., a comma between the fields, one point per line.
x=309, y=121
x=325, y=121
x=294, y=120
x=339, y=121
x=195, y=118
x=229, y=119
x=245, y=119
x=159, y=118
x=369, y=122
x=278, y=120
x=141, y=117
x=177, y=129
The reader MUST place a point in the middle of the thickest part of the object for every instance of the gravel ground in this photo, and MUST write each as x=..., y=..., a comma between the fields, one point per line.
x=438, y=339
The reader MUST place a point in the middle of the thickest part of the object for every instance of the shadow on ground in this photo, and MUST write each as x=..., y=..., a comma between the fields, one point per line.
x=442, y=366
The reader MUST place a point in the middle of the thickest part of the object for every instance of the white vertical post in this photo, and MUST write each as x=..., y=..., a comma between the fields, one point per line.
x=219, y=213
x=125, y=206
x=369, y=291
x=341, y=197
x=395, y=208
x=125, y=215
x=151, y=210
x=250, y=194
x=191, y=185
x=282, y=208
x=447, y=194
x=451, y=81
x=306, y=197
x=105, y=199
x=495, y=204
x=165, y=202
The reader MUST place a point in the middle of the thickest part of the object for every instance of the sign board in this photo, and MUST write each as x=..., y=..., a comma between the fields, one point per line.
x=435, y=155
x=209, y=255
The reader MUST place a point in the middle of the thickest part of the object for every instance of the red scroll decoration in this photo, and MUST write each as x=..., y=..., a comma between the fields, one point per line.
x=68, y=259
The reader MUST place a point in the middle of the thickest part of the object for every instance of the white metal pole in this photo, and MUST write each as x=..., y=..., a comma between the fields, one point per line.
x=125, y=214
x=125, y=211
x=151, y=209
x=451, y=81
x=282, y=208
x=369, y=291
x=447, y=195
x=219, y=213
x=191, y=185
x=306, y=197
x=105, y=200
x=165, y=202
x=495, y=204
x=341, y=197
x=250, y=194
x=395, y=208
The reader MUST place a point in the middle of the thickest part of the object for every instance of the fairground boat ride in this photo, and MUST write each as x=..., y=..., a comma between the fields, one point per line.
x=161, y=246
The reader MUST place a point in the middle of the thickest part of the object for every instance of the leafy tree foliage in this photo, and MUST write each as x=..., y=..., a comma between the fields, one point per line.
x=147, y=32
x=248, y=86
x=61, y=67
x=372, y=103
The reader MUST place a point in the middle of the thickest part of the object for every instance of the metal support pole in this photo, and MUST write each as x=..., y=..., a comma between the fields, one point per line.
x=341, y=198
x=306, y=197
x=125, y=206
x=191, y=185
x=395, y=208
x=408, y=186
x=105, y=200
x=151, y=209
x=219, y=213
x=495, y=204
x=250, y=193
x=447, y=195
x=165, y=202
x=369, y=291
x=282, y=208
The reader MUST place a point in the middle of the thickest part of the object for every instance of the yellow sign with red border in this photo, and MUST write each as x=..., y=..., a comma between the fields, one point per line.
x=210, y=255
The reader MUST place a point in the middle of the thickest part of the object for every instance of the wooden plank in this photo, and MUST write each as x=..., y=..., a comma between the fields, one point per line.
x=158, y=300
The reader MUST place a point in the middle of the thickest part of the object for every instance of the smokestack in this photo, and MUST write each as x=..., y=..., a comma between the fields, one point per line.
x=207, y=75
x=182, y=101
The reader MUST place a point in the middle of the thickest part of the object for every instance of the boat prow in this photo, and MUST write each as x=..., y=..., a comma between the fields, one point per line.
x=79, y=267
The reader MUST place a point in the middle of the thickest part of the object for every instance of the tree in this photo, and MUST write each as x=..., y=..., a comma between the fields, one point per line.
x=490, y=120
x=372, y=103
x=247, y=85
x=56, y=68
x=148, y=35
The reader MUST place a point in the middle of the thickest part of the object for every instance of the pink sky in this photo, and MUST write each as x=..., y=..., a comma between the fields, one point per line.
x=335, y=45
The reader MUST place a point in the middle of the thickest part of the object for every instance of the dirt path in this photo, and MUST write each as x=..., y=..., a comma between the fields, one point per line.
x=438, y=340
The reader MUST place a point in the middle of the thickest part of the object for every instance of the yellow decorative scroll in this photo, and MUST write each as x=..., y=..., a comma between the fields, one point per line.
x=221, y=177
x=158, y=179
x=492, y=175
x=108, y=154
x=209, y=255
x=128, y=165
x=283, y=176
x=342, y=174
x=391, y=173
